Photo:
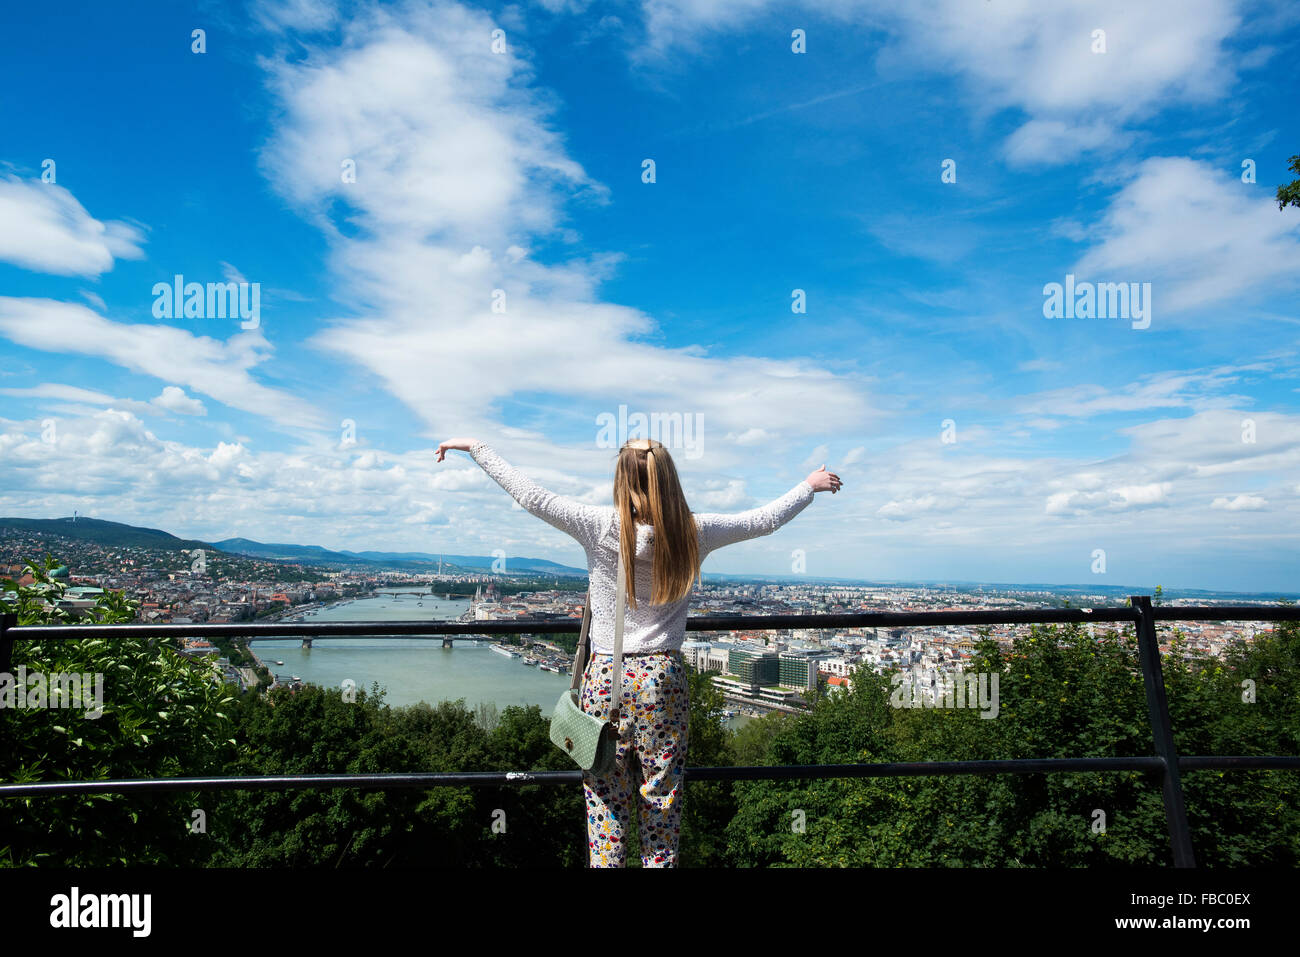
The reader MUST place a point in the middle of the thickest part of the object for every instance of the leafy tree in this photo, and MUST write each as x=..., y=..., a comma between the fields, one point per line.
x=316, y=731
x=566, y=641
x=750, y=743
x=1247, y=703
x=487, y=715
x=546, y=824
x=1062, y=693
x=706, y=805
x=781, y=822
x=1289, y=195
x=162, y=716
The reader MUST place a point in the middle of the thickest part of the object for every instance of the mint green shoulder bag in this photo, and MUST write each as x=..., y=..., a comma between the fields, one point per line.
x=591, y=742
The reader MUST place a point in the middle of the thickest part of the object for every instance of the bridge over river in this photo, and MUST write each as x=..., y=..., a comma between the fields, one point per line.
x=446, y=595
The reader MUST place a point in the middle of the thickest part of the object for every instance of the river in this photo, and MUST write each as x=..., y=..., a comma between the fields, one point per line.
x=410, y=669
x=413, y=670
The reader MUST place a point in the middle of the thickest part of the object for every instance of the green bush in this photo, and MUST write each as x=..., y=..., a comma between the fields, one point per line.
x=163, y=716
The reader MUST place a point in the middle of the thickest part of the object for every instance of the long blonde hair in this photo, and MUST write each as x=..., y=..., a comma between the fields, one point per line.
x=646, y=489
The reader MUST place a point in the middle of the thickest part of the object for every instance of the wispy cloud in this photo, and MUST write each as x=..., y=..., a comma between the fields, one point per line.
x=216, y=368
x=45, y=229
x=1034, y=58
x=458, y=174
x=1200, y=236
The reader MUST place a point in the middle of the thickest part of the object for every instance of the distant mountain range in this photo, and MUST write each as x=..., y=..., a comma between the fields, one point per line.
x=279, y=551
x=119, y=534
x=102, y=532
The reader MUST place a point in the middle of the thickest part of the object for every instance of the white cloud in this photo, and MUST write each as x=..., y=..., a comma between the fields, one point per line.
x=171, y=399
x=1040, y=365
x=1156, y=493
x=227, y=454
x=443, y=142
x=174, y=399
x=1239, y=502
x=1043, y=425
x=65, y=393
x=458, y=174
x=753, y=436
x=296, y=15
x=321, y=494
x=1160, y=390
x=904, y=509
x=731, y=498
x=1028, y=56
x=1055, y=141
x=95, y=300
x=1209, y=444
x=110, y=461
x=1077, y=501
x=43, y=228
x=1198, y=234
x=220, y=369
x=1199, y=454
x=816, y=458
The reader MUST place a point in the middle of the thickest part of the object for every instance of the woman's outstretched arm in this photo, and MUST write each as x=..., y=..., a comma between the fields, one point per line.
x=583, y=522
x=717, y=530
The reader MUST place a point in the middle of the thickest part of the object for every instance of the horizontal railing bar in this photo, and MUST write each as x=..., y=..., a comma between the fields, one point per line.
x=749, y=773
x=397, y=629
x=1226, y=613
x=335, y=629
x=925, y=768
x=291, y=782
x=1238, y=762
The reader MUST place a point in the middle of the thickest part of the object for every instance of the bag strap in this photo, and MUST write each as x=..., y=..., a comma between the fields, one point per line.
x=584, y=642
x=616, y=674
x=580, y=653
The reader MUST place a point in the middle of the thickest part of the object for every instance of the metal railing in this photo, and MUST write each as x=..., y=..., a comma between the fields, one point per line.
x=1166, y=761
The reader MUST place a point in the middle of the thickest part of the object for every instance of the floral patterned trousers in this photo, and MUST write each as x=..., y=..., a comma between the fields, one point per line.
x=653, y=716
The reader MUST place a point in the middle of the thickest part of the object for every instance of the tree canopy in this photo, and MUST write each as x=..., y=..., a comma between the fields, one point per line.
x=1061, y=692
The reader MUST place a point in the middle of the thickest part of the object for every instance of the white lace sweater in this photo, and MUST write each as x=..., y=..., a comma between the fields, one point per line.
x=647, y=628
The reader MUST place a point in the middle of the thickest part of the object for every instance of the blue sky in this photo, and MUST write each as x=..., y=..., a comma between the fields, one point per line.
x=500, y=267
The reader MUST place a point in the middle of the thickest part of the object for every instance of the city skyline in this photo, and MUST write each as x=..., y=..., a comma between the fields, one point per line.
x=802, y=234
x=491, y=568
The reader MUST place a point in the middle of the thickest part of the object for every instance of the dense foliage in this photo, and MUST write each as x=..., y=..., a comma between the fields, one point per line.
x=1062, y=692
x=1289, y=194
x=163, y=715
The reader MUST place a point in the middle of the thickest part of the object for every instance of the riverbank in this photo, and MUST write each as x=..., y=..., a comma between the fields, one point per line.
x=426, y=671
x=311, y=606
x=284, y=613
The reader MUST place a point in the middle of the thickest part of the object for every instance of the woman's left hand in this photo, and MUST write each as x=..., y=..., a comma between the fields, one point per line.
x=460, y=445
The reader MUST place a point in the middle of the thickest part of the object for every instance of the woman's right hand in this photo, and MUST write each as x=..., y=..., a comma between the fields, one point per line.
x=824, y=481
x=460, y=445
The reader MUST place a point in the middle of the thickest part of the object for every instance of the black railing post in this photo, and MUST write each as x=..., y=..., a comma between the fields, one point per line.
x=1162, y=731
x=6, y=641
